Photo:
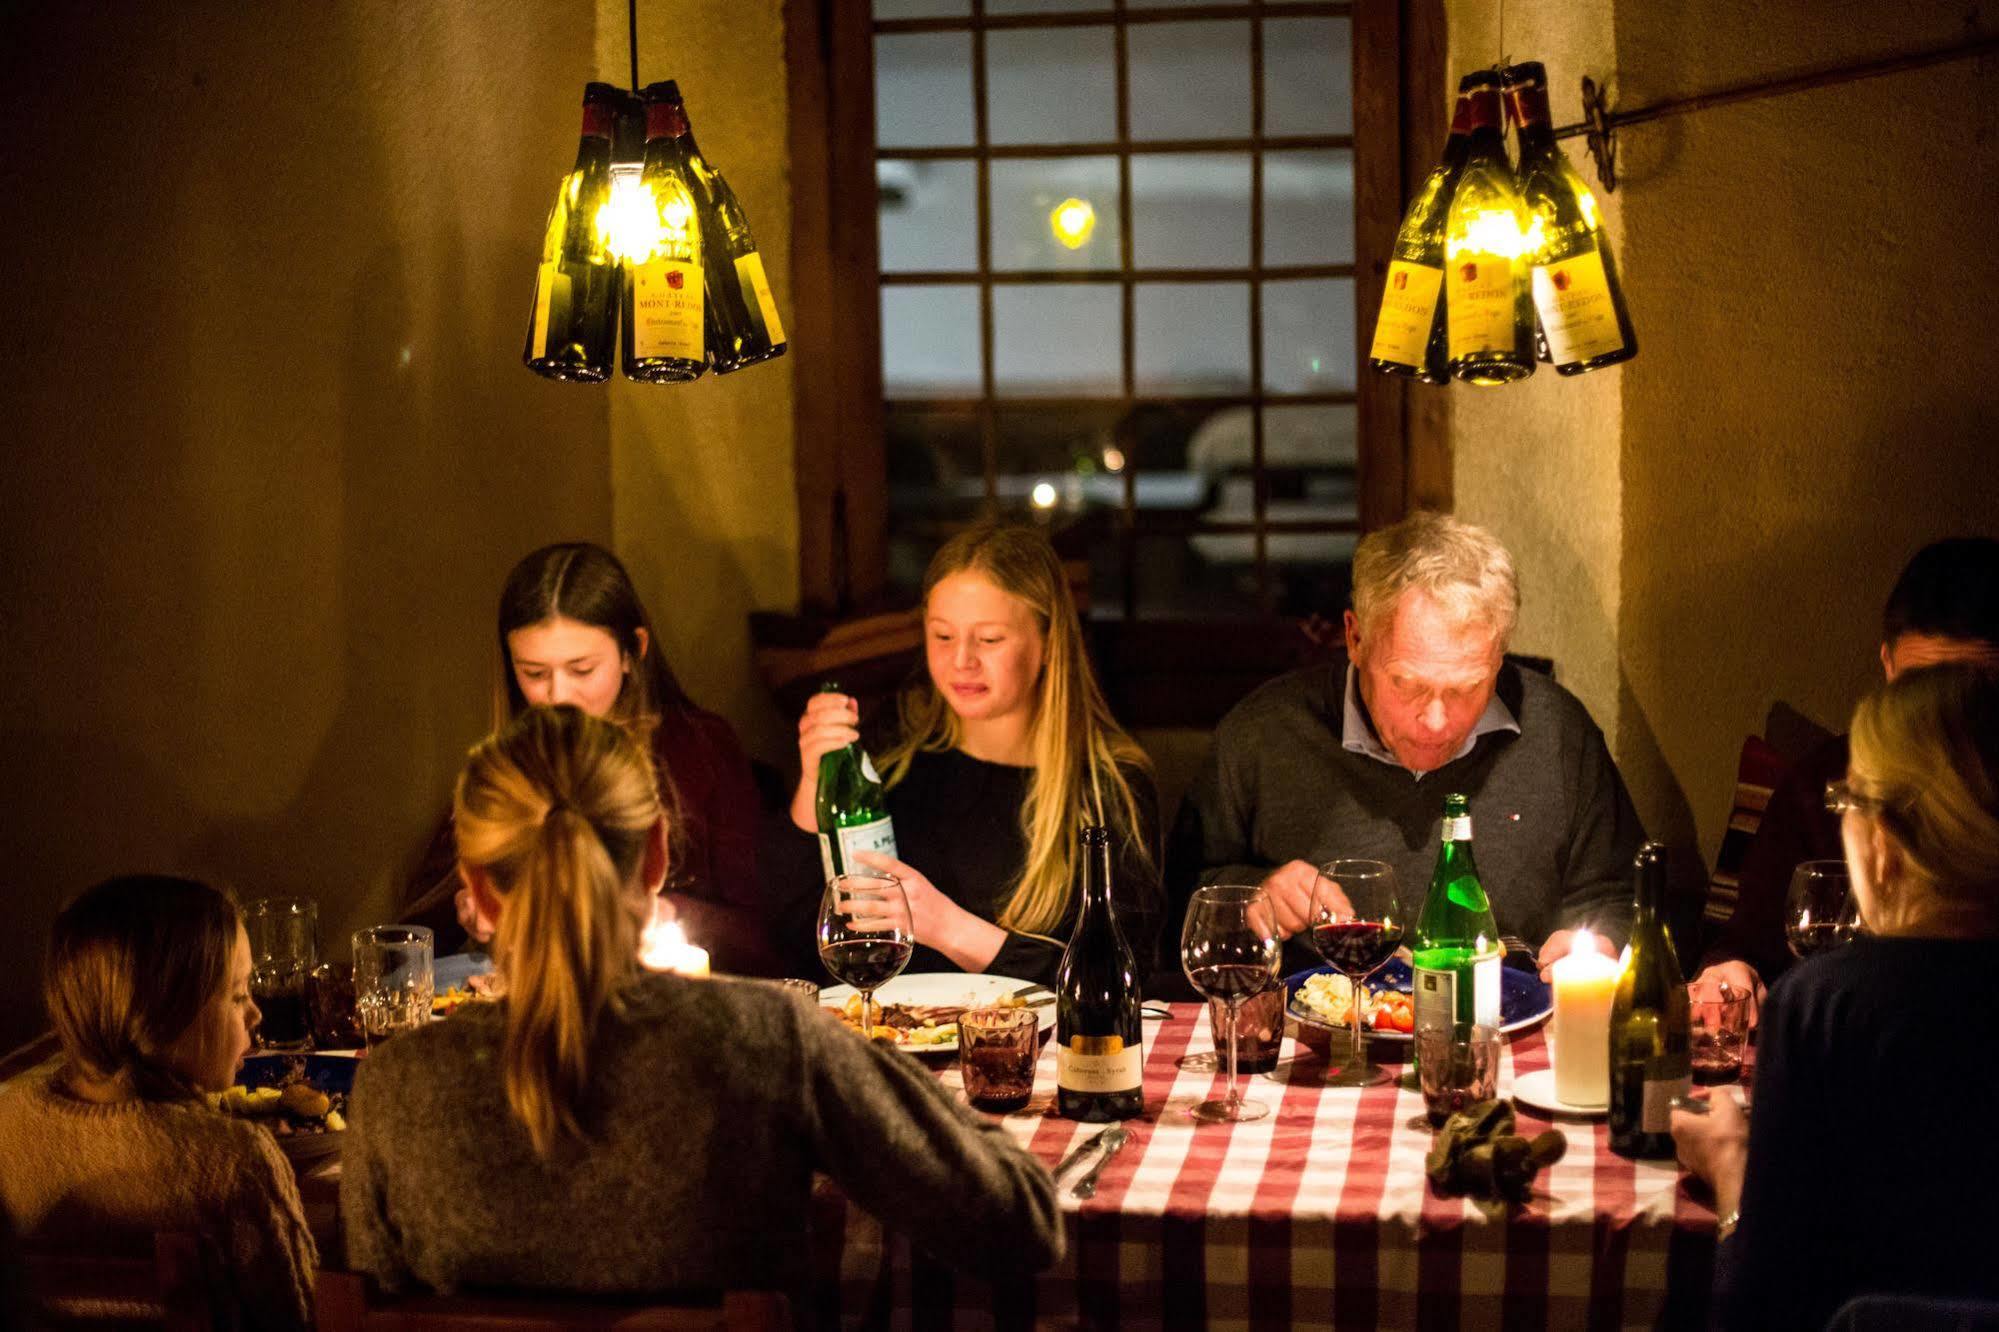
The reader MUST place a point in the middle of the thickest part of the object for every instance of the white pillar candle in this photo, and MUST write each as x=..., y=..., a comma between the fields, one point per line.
x=1585, y=985
x=664, y=947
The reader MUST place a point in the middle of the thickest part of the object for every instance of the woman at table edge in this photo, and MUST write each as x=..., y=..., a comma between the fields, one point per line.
x=1836, y=1188
x=573, y=630
x=147, y=981
x=1008, y=712
x=604, y=1129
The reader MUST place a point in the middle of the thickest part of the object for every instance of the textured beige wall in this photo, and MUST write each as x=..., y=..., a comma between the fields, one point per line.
x=1819, y=375
x=704, y=507
x=270, y=446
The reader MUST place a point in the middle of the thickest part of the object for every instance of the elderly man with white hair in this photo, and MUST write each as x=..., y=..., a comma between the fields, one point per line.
x=1353, y=758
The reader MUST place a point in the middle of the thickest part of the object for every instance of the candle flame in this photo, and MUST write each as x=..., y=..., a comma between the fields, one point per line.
x=1583, y=944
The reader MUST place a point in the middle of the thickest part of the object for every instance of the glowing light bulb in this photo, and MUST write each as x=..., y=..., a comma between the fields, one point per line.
x=1044, y=495
x=1073, y=221
x=1492, y=231
x=628, y=225
x=1113, y=459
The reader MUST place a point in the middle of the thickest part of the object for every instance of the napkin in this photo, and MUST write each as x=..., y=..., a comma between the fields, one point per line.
x=1477, y=1152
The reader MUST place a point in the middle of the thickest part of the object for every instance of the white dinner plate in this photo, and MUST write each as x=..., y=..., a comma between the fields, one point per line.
x=1538, y=1090
x=947, y=988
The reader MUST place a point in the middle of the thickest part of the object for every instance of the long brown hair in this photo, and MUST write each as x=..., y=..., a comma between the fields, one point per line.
x=131, y=964
x=1080, y=752
x=556, y=809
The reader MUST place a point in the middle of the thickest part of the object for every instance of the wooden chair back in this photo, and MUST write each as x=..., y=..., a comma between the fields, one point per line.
x=347, y=1303
x=70, y=1288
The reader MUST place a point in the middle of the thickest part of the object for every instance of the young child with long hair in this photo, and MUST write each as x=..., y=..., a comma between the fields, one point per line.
x=148, y=984
x=601, y=1129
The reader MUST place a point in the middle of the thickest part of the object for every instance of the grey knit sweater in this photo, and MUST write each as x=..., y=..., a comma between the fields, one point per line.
x=1553, y=829
x=712, y=1104
x=105, y=1176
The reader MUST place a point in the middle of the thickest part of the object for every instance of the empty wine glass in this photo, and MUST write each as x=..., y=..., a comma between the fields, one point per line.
x=1356, y=924
x=1229, y=949
x=1820, y=911
x=865, y=933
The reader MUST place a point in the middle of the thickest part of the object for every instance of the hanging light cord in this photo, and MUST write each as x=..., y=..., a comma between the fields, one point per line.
x=632, y=16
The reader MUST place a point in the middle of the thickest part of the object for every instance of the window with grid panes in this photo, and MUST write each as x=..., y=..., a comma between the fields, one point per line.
x=1117, y=291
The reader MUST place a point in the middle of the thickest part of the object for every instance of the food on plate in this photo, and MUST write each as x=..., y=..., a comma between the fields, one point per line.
x=476, y=990
x=294, y=1109
x=1329, y=996
x=905, y=1024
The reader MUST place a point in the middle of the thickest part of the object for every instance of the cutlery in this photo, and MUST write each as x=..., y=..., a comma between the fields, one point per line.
x=1036, y=988
x=1114, y=1141
x=1090, y=1144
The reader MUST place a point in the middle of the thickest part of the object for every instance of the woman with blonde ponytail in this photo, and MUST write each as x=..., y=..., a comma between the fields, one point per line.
x=604, y=1129
x=1006, y=750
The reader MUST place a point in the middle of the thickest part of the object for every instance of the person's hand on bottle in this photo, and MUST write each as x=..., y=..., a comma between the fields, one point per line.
x=1289, y=888
x=1561, y=942
x=830, y=722
x=939, y=922
x=1738, y=976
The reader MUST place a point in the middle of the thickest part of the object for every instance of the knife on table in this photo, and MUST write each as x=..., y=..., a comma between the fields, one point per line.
x=1090, y=1144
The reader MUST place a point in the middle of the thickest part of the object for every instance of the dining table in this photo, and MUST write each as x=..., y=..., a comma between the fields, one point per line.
x=1318, y=1215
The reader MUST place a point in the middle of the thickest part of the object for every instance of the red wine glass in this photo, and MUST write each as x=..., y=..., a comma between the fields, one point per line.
x=865, y=933
x=1229, y=949
x=1357, y=924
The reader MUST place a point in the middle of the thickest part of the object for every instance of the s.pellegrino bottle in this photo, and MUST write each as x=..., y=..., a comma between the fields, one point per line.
x=1650, y=1059
x=1099, y=1051
x=1583, y=322
x=1488, y=304
x=573, y=325
x=1455, y=957
x=743, y=325
x=852, y=808
x=1409, y=331
x=665, y=338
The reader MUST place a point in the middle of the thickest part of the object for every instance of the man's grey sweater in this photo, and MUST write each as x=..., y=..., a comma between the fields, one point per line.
x=1553, y=828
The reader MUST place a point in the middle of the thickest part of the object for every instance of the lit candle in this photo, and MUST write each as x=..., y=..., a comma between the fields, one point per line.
x=664, y=947
x=1585, y=984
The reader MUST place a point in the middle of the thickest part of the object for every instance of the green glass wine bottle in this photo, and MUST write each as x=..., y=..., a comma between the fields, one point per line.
x=1409, y=331
x=1650, y=1059
x=665, y=337
x=1488, y=304
x=1584, y=323
x=743, y=324
x=573, y=325
x=851, y=807
x=1455, y=955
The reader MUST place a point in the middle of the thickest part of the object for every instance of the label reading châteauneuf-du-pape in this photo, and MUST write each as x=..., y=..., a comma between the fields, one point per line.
x=1480, y=312
x=1408, y=308
x=666, y=310
x=1573, y=299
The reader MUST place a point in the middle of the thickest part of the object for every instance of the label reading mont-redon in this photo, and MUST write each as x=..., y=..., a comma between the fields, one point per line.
x=1479, y=308
x=666, y=310
x=1573, y=299
x=1408, y=309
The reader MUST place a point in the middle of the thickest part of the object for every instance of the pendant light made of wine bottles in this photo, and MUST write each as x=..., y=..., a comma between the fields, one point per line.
x=1496, y=266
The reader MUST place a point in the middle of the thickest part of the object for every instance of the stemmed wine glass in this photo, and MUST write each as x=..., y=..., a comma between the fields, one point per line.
x=1229, y=949
x=1819, y=910
x=865, y=933
x=1356, y=936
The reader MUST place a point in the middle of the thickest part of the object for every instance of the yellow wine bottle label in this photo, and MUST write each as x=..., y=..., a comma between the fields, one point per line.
x=666, y=310
x=1577, y=317
x=750, y=272
x=1091, y=1070
x=1479, y=307
x=544, y=294
x=1408, y=308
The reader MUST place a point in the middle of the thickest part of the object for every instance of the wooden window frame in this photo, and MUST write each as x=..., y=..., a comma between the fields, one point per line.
x=1158, y=672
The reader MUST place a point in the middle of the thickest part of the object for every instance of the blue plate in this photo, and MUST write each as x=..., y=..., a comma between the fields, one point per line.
x=330, y=1073
x=1523, y=999
x=451, y=972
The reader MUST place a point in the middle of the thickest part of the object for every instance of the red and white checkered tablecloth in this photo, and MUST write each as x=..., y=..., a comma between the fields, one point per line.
x=1317, y=1216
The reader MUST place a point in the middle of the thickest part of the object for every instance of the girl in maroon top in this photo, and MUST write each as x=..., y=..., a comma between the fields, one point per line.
x=572, y=630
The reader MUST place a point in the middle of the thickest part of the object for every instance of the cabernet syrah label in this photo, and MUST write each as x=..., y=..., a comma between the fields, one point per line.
x=1577, y=317
x=666, y=310
x=1408, y=309
x=1479, y=309
x=1085, y=1065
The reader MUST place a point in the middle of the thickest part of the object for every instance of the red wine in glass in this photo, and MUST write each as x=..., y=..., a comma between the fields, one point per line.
x=1228, y=981
x=866, y=964
x=1358, y=948
x=1356, y=925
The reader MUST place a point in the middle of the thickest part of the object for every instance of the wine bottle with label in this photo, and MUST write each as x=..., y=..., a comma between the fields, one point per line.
x=1584, y=323
x=1650, y=1059
x=665, y=331
x=1455, y=957
x=743, y=324
x=573, y=325
x=1409, y=332
x=1099, y=1052
x=1488, y=304
x=852, y=808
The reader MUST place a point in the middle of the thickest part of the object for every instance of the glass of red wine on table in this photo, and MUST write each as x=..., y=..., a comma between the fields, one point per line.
x=1356, y=925
x=1229, y=950
x=865, y=933
x=1820, y=912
